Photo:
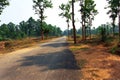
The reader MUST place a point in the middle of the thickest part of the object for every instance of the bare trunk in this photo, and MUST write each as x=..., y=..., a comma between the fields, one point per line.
x=113, y=28
x=119, y=26
x=82, y=31
x=68, y=29
x=73, y=22
x=119, y=21
x=42, y=35
x=90, y=31
x=41, y=21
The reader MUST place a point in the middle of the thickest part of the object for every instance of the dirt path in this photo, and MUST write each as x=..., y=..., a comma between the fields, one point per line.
x=48, y=61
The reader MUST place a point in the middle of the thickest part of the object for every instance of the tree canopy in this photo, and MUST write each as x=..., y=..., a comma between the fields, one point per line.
x=39, y=6
x=3, y=4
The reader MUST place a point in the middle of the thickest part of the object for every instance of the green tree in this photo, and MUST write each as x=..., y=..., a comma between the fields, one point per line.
x=3, y=4
x=39, y=7
x=102, y=31
x=66, y=13
x=113, y=6
x=4, y=31
x=31, y=26
x=73, y=22
x=24, y=27
x=88, y=12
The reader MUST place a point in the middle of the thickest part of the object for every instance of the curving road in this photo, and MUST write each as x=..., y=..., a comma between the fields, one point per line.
x=47, y=61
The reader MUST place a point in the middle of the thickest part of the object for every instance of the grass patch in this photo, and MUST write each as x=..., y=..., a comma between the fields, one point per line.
x=113, y=50
x=76, y=47
x=81, y=63
x=20, y=44
x=85, y=48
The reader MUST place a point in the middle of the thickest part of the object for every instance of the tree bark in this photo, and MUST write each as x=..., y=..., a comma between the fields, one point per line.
x=41, y=21
x=73, y=22
x=113, y=28
x=119, y=26
x=82, y=31
x=119, y=21
x=42, y=35
x=68, y=29
x=90, y=32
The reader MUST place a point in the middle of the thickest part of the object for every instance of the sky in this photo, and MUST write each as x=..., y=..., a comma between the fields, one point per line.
x=20, y=10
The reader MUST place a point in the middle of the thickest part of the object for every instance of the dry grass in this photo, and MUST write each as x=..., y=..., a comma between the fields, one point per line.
x=96, y=62
x=20, y=44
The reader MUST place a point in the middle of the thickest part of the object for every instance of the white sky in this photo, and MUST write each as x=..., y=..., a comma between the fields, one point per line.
x=20, y=10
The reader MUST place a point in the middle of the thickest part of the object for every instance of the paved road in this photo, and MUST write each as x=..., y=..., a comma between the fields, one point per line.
x=47, y=61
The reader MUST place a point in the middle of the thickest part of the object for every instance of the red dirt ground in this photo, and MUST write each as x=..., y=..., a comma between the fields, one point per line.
x=96, y=62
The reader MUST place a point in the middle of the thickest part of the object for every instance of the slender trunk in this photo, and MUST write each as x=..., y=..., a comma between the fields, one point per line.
x=42, y=35
x=42, y=32
x=119, y=26
x=73, y=22
x=90, y=31
x=119, y=21
x=68, y=29
x=90, y=24
x=41, y=21
x=82, y=31
x=113, y=28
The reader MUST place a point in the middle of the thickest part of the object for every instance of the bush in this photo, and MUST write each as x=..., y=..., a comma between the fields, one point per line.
x=113, y=50
x=1, y=39
x=102, y=33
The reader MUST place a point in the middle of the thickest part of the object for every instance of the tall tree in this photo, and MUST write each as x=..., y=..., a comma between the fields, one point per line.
x=73, y=22
x=66, y=13
x=88, y=12
x=39, y=7
x=119, y=19
x=24, y=27
x=113, y=6
x=31, y=26
x=3, y=4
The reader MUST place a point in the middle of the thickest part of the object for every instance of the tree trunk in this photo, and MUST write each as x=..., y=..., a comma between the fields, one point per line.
x=113, y=28
x=84, y=31
x=42, y=35
x=119, y=26
x=90, y=31
x=73, y=22
x=41, y=21
x=68, y=29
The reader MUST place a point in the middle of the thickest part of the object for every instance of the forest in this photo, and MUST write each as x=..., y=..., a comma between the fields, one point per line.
x=87, y=10
x=91, y=51
x=30, y=28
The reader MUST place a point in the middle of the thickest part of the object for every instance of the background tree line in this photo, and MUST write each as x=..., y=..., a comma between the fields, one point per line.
x=30, y=28
x=102, y=32
x=88, y=11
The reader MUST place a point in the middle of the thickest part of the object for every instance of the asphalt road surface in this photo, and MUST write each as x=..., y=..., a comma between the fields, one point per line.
x=47, y=61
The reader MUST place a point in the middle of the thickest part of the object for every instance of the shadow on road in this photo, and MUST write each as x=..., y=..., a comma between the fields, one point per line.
x=55, y=44
x=57, y=60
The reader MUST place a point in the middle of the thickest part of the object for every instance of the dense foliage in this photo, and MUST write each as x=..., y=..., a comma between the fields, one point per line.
x=65, y=8
x=39, y=7
x=30, y=28
x=113, y=6
x=3, y=4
